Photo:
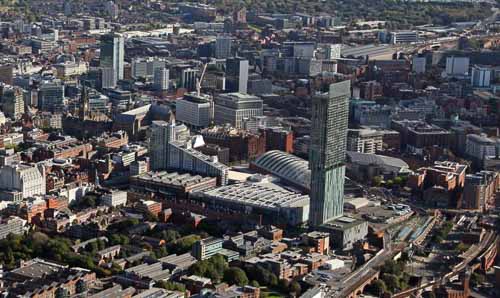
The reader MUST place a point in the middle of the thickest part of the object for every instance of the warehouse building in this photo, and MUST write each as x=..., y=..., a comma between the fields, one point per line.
x=275, y=204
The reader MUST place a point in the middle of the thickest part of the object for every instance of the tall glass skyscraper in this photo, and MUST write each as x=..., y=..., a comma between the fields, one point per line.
x=112, y=56
x=237, y=74
x=162, y=134
x=330, y=113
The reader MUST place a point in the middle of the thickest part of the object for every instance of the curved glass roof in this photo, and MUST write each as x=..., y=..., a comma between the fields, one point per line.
x=286, y=166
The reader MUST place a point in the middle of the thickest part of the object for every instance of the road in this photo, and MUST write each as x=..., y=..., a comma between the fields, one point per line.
x=470, y=256
x=363, y=273
x=477, y=295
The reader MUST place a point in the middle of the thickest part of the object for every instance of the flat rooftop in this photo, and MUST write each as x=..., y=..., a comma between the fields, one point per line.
x=173, y=178
x=37, y=268
x=343, y=223
x=264, y=195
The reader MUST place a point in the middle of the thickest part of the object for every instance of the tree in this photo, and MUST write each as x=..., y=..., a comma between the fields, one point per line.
x=170, y=235
x=273, y=280
x=476, y=279
x=212, y=268
x=219, y=263
x=429, y=294
x=161, y=252
x=263, y=276
x=255, y=284
x=295, y=288
x=81, y=286
x=213, y=274
x=198, y=268
x=89, y=201
x=183, y=244
x=392, y=282
x=62, y=293
x=148, y=216
x=377, y=181
x=392, y=267
x=115, y=268
x=377, y=288
x=284, y=284
x=235, y=276
x=461, y=247
x=171, y=286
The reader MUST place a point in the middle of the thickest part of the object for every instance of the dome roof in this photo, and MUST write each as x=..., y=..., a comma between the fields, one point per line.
x=286, y=166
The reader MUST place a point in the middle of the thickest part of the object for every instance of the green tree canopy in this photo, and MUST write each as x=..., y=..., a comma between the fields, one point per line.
x=295, y=288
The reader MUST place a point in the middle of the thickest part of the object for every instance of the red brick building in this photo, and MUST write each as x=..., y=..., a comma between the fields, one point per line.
x=56, y=203
x=243, y=145
x=149, y=206
x=370, y=90
x=279, y=139
x=34, y=210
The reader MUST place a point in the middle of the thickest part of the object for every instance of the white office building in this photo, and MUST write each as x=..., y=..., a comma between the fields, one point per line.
x=24, y=178
x=364, y=140
x=194, y=110
x=403, y=37
x=114, y=198
x=183, y=157
x=167, y=152
x=457, y=66
x=12, y=225
x=418, y=64
x=233, y=108
x=332, y=51
x=481, y=76
x=124, y=158
x=481, y=147
x=145, y=67
x=69, y=69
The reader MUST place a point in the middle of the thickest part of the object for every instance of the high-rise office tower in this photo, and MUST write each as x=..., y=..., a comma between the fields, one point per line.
x=160, y=79
x=7, y=74
x=68, y=8
x=162, y=133
x=237, y=75
x=112, y=54
x=194, y=110
x=188, y=78
x=481, y=76
x=84, y=108
x=13, y=102
x=107, y=77
x=223, y=46
x=51, y=96
x=330, y=113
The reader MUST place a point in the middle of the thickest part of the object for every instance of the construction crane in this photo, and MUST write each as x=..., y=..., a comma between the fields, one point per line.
x=198, y=81
x=198, y=90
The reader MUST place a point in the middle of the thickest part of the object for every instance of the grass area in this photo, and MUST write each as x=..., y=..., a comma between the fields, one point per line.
x=255, y=28
x=274, y=295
